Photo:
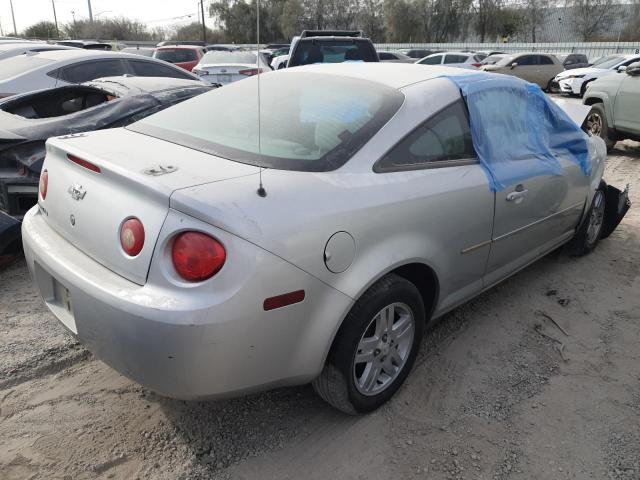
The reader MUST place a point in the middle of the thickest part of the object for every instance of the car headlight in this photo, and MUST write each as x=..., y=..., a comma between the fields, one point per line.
x=574, y=76
x=199, y=72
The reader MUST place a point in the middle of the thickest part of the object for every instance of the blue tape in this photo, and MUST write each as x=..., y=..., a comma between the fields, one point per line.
x=517, y=131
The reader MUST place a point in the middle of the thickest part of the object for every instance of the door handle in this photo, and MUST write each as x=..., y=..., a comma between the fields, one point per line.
x=518, y=194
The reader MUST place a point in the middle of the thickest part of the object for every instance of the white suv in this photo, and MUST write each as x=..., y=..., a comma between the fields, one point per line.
x=575, y=81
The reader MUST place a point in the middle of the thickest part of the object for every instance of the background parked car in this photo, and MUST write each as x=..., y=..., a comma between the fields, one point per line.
x=331, y=46
x=397, y=57
x=574, y=82
x=573, y=60
x=86, y=44
x=535, y=67
x=225, y=48
x=280, y=62
x=417, y=52
x=452, y=59
x=615, y=106
x=144, y=51
x=28, y=120
x=8, y=50
x=224, y=67
x=25, y=73
x=183, y=56
x=492, y=59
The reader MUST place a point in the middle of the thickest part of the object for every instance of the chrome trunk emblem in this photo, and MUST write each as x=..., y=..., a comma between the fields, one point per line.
x=77, y=192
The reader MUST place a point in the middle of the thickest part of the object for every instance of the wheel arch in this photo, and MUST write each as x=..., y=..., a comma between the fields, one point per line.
x=421, y=274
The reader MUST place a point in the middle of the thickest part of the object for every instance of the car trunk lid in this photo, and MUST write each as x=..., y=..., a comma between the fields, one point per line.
x=224, y=73
x=136, y=177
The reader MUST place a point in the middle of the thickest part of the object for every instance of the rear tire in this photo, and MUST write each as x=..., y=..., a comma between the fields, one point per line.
x=590, y=231
x=596, y=124
x=375, y=347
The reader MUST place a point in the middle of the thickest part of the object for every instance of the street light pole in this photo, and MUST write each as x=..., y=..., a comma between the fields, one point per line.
x=90, y=12
x=204, y=27
x=55, y=18
x=15, y=30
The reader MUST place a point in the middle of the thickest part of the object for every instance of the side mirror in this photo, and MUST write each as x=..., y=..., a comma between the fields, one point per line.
x=514, y=65
x=622, y=68
x=633, y=69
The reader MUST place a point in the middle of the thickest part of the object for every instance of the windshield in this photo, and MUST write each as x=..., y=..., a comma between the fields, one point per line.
x=609, y=62
x=328, y=118
x=506, y=60
x=176, y=55
x=491, y=59
x=219, y=56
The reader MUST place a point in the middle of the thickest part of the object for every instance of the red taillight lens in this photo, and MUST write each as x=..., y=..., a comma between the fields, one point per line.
x=197, y=256
x=477, y=65
x=132, y=236
x=83, y=163
x=250, y=71
x=44, y=184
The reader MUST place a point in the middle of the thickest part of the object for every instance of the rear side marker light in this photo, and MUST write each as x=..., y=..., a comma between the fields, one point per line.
x=284, y=300
x=44, y=184
x=83, y=163
x=197, y=256
x=132, y=237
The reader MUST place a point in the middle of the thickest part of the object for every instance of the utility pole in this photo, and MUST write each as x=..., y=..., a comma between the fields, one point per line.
x=204, y=26
x=90, y=12
x=15, y=30
x=55, y=18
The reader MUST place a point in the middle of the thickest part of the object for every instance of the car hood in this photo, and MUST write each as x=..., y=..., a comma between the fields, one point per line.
x=581, y=71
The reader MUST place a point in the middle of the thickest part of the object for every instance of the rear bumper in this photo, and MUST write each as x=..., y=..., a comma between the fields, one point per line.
x=185, y=342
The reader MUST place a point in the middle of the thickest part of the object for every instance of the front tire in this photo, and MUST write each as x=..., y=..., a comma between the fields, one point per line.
x=596, y=124
x=375, y=347
x=590, y=231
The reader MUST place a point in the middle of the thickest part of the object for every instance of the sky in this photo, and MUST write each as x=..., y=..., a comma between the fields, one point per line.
x=151, y=12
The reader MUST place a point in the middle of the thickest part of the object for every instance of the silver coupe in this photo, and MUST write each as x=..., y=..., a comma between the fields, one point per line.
x=236, y=243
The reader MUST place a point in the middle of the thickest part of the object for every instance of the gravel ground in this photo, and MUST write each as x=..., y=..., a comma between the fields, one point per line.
x=499, y=392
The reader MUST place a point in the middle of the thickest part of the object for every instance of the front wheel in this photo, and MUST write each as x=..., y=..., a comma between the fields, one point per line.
x=596, y=124
x=375, y=347
x=590, y=231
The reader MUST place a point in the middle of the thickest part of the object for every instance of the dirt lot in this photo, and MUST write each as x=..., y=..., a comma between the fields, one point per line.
x=491, y=397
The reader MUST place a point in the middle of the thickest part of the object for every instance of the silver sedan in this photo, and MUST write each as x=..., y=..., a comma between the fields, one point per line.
x=217, y=248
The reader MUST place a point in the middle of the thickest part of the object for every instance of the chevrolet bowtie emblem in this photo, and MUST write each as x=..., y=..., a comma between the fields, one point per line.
x=77, y=192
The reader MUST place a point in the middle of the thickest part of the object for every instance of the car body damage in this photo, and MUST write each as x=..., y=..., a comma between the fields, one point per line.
x=28, y=120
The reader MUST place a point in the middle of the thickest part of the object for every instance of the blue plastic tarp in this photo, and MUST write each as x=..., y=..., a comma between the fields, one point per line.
x=517, y=131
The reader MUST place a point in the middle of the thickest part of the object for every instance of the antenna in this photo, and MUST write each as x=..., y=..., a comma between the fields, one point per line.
x=261, y=191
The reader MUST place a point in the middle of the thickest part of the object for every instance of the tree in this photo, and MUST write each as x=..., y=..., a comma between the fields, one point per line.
x=590, y=16
x=119, y=28
x=193, y=31
x=42, y=30
x=291, y=19
x=535, y=13
x=400, y=21
x=486, y=18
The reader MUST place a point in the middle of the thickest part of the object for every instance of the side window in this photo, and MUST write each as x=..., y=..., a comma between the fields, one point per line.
x=153, y=69
x=544, y=60
x=527, y=60
x=90, y=70
x=455, y=58
x=386, y=56
x=445, y=136
x=436, y=60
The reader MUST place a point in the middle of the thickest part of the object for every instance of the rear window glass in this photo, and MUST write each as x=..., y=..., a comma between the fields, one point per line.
x=228, y=57
x=309, y=52
x=327, y=118
x=16, y=65
x=177, y=55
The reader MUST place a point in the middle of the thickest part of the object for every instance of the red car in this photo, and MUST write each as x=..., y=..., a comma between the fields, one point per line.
x=184, y=56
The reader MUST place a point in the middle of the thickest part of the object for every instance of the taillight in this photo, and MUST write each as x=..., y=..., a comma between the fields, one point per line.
x=44, y=184
x=477, y=65
x=132, y=236
x=250, y=71
x=197, y=256
x=83, y=163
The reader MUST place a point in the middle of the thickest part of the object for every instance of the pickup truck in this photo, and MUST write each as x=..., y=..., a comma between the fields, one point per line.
x=331, y=46
x=615, y=106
